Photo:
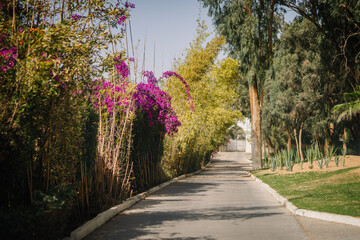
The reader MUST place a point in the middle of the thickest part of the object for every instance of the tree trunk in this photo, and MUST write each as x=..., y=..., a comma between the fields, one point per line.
x=300, y=142
x=288, y=136
x=297, y=142
x=328, y=140
x=256, y=145
x=326, y=146
x=344, y=140
x=331, y=130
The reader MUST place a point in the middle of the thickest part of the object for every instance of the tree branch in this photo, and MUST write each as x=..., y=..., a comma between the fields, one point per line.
x=301, y=12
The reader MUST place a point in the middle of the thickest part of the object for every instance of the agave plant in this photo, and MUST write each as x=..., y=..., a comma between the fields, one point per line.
x=330, y=152
x=289, y=159
x=336, y=159
x=266, y=161
x=310, y=155
x=318, y=153
x=279, y=160
x=343, y=157
x=273, y=163
x=321, y=163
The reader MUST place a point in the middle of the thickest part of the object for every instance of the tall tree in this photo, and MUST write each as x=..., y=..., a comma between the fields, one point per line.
x=339, y=22
x=249, y=29
x=287, y=103
x=212, y=87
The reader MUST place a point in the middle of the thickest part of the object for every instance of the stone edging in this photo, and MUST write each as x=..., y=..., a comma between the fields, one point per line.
x=307, y=213
x=91, y=225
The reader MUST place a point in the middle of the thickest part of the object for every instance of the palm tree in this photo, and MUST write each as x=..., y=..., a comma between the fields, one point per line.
x=350, y=108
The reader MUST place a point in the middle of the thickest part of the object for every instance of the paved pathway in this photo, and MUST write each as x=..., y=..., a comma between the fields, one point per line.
x=219, y=203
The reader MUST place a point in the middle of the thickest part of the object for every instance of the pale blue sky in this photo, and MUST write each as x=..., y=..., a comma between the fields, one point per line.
x=170, y=25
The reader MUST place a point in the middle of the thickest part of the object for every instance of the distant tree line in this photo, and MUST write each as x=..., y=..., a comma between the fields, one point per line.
x=301, y=78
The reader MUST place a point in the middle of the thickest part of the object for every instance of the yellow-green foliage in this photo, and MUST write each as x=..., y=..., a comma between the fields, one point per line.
x=212, y=87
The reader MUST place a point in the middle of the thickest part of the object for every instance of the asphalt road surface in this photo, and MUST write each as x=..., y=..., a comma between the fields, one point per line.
x=221, y=202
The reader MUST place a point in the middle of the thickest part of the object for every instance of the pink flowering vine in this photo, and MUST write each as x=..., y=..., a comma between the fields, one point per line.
x=129, y=5
x=75, y=17
x=174, y=74
x=151, y=99
x=107, y=95
x=121, y=67
x=148, y=97
x=8, y=58
x=121, y=20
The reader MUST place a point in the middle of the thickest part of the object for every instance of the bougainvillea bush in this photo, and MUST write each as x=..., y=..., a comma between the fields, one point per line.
x=72, y=115
x=52, y=54
x=155, y=119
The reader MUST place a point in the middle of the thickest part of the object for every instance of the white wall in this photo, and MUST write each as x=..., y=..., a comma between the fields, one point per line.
x=240, y=145
x=246, y=126
x=236, y=145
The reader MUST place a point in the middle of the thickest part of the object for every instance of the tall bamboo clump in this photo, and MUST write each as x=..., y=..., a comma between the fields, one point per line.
x=112, y=169
x=112, y=164
x=50, y=172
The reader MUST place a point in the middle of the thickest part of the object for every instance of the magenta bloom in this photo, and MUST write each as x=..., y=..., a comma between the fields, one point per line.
x=156, y=104
x=150, y=77
x=106, y=95
x=174, y=74
x=8, y=58
x=121, y=20
x=75, y=17
x=129, y=5
x=121, y=67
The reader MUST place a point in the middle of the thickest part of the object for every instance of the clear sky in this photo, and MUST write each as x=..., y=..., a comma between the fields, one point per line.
x=170, y=25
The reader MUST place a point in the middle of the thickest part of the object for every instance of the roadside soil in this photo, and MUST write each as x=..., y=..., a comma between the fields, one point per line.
x=351, y=161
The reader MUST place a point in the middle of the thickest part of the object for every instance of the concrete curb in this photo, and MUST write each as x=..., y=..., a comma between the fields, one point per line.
x=307, y=213
x=91, y=225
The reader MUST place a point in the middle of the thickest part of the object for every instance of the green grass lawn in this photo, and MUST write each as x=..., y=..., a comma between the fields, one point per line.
x=333, y=192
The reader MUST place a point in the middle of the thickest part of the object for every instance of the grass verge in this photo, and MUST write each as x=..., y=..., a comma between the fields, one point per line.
x=333, y=192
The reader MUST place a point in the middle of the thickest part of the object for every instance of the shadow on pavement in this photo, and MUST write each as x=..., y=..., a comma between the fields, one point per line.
x=130, y=227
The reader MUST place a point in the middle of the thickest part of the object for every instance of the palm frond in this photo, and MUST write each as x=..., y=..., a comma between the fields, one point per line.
x=350, y=108
x=347, y=110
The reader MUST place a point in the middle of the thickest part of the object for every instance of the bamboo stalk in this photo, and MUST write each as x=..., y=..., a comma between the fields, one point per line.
x=153, y=173
x=86, y=191
x=29, y=176
x=82, y=188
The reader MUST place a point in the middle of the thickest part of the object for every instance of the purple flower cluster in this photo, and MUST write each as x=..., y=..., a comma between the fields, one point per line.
x=106, y=95
x=174, y=74
x=121, y=19
x=124, y=12
x=9, y=57
x=129, y=5
x=150, y=77
x=121, y=67
x=148, y=97
x=152, y=99
x=75, y=17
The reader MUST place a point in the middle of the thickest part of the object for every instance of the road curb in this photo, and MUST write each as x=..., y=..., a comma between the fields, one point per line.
x=91, y=225
x=308, y=213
